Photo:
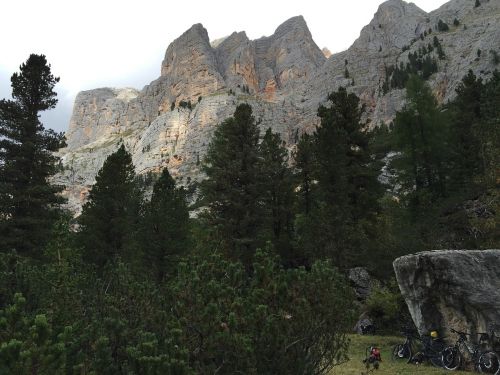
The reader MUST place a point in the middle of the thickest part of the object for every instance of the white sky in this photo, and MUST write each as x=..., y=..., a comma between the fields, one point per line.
x=121, y=43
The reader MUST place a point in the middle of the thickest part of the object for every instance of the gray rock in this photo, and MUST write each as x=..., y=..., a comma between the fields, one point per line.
x=288, y=77
x=451, y=288
x=361, y=281
x=364, y=325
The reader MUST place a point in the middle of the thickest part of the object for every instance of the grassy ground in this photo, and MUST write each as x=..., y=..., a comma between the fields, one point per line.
x=388, y=367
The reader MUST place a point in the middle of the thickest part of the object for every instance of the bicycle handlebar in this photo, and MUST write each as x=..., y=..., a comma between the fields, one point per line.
x=459, y=333
x=491, y=332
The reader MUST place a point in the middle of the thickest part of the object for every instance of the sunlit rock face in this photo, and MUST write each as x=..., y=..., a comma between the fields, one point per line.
x=451, y=289
x=284, y=77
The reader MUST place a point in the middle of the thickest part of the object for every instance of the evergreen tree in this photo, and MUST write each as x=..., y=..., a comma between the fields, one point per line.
x=342, y=226
x=28, y=202
x=164, y=227
x=466, y=115
x=421, y=132
x=304, y=173
x=108, y=220
x=278, y=194
x=442, y=26
x=232, y=190
x=489, y=131
x=346, y=72
x=421, y=164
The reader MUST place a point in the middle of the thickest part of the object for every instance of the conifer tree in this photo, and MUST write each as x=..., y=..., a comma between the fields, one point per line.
x=28, y=202
x=232, y=188
x=466, y=117
x=489, y=131
x=304, y=173
x=164, y=227
x=348, y=190
x=489, y=135
x=420, y=135
x=421, y=165
x=278, y=194
x=108, y=221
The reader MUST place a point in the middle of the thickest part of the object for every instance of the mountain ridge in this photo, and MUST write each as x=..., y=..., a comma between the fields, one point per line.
x=284, y=77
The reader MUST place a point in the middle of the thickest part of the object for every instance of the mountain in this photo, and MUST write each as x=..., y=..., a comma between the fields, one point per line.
x=284, y=77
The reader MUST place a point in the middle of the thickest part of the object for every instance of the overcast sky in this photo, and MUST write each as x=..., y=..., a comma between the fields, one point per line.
x=121, y=43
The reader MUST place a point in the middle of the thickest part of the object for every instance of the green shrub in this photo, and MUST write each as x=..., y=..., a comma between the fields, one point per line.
x=387, y=307
x=442, y=26
x=277, y=322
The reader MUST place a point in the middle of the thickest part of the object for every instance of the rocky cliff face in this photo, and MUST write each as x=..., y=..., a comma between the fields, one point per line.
x=284, y=77
x=451, y=288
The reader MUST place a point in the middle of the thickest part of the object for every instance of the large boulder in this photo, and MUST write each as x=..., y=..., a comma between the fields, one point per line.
x=451, y=288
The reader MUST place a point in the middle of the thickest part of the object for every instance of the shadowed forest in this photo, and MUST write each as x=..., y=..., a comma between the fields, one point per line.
x=244, y=273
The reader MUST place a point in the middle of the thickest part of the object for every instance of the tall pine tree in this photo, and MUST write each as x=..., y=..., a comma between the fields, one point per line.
x=304, y=173
x=108, y=223
x=277, y=187
x=421, y=133
x=164, y=228
x=342, y=225
x=28, y=202
x=466, y=116
x=488, y=132
x=420, y=166
x=232, y=188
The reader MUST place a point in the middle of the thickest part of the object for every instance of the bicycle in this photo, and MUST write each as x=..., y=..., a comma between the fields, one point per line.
x=432, y=351
x=404, y=351
x=486, y=362
x=432, y=348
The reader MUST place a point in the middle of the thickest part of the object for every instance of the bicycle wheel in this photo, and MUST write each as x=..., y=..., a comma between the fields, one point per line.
x=435, y=353
x=401, y=351
x=451, y=358
x=489, y=363
x=436, y=360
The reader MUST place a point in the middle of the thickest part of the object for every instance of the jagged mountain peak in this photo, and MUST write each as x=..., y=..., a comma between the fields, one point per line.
x=393, y=26
x=235, y=37
x=401, y=4
x=196, y=30
x=284, y=77
x=193, y=44
x=394, y=11
x=294, y=24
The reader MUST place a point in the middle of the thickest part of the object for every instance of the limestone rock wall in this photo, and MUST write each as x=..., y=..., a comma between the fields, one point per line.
x=98, y=113
x=287, y=77
x=451, y=288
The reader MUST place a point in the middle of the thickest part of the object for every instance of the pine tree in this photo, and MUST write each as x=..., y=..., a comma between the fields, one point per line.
x=278, y=194
x=232, y=188
x=28, y=202
x=421, y=165
x=489, y=131
x=466, y=115
x=164, y=227
x=304, y=173
x=108, y=220
x=348, y=189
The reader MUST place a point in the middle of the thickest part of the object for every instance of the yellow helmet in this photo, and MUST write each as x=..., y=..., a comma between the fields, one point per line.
x=434, y=334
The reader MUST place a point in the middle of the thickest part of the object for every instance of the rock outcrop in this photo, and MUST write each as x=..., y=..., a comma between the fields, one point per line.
x=451, y=288
x=284, y=77
x=361, y=281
